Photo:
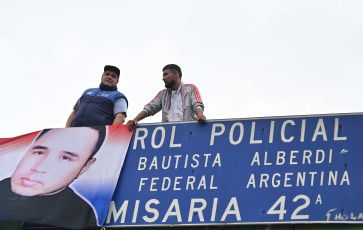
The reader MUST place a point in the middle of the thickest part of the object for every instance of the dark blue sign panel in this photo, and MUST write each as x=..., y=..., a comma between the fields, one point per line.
x=301, y=169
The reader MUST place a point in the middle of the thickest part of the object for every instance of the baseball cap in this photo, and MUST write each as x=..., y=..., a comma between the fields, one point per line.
x=113, y=69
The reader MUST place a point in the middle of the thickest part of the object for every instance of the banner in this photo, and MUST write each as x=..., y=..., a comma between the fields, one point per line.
x=300, y=169
x=61, y=177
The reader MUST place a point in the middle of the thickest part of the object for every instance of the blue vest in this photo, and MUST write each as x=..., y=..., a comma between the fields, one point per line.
x=96, y=108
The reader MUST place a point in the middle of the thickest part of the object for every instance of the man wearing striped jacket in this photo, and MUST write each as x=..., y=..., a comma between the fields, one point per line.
x=178, y=102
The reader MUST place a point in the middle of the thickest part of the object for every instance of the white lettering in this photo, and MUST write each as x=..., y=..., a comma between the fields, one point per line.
x=156, y=146
x=214, y=133
x=138, y=138
x=283, y=138
x=172, y=145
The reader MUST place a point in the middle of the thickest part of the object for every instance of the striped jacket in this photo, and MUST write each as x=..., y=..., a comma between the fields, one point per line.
x=191, y=101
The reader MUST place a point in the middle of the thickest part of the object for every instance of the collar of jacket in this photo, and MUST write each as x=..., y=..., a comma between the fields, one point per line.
x=181, y=87
x=107, y=88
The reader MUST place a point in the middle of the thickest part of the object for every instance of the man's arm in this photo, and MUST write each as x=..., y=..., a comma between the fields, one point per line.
x=120, y=110
x=131, y=124
x=155, y=105
x=197, y=103
x=119, y=119
x=70, y=118
x=150, y=109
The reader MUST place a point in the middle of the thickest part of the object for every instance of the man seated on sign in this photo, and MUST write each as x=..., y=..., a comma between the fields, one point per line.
x=38, y=189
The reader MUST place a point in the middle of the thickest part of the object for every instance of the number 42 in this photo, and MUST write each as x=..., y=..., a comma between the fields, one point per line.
x=281, y=212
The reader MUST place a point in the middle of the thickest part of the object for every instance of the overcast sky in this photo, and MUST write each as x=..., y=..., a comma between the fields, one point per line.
x=248, y=58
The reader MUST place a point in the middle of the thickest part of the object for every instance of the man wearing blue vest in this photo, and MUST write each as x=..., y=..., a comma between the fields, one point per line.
x=100, y=106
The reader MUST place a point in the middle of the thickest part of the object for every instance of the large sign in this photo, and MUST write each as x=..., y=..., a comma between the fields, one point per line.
x=64, y=177
x=302, y=169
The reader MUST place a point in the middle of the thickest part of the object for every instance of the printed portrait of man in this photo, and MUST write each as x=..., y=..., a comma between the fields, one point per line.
x=38, y=190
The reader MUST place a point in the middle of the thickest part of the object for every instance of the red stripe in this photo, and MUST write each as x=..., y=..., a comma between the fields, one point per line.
x=181, y=94
x=156, y=96
x=196, y=93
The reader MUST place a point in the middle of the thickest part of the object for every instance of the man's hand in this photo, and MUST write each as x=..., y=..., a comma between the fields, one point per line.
x=119, y=119
x=201, y=118
x=131, y=124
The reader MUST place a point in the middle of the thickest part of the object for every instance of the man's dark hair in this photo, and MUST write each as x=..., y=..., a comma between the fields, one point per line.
x=101, y=137
x=173, y=68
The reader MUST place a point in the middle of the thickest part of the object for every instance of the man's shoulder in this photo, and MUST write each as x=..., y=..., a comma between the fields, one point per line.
x=5, y=183
x=161, y=92
x=118, y=93
x=5, y=180
x=76, y=199
x=90, y=91
x=75, y=206
x=190, y=85
x=67, y=191
x=158, y=96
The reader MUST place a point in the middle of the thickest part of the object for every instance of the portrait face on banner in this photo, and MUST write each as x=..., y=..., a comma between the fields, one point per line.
x=54, y=160
x=80, y=165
